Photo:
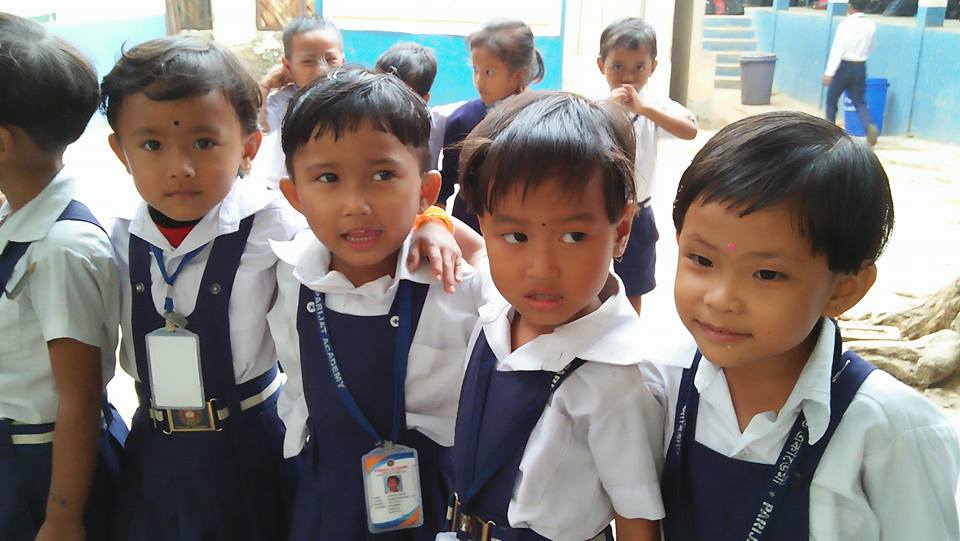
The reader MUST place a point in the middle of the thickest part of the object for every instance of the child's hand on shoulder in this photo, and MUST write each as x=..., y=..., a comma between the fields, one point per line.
x=433, y=242
x=277, y=77
x=628, y=96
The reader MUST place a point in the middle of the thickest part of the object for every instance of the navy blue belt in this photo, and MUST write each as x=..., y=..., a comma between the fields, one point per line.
x=255, y=394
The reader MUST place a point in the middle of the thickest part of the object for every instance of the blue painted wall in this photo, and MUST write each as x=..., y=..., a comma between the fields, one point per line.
x=921, y=64
x=454, y=80
x=102, y=41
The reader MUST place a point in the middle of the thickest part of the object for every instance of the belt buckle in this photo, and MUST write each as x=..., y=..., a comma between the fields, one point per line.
x=192, y=420
x=476, y=528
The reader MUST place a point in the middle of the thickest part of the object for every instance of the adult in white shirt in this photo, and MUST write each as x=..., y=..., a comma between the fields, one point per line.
x=847, y=65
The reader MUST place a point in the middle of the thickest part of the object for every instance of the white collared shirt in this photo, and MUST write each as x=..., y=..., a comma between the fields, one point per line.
x=66, y=285
x=597, y=447
x=255, y=284
x=647, y=133
x=437, y=353
x=856, y=38
x=889, y=472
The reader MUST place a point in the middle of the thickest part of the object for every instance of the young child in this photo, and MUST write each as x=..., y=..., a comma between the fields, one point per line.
x=59, y=301
x=846, y=70
x=416, y=65
x=628, y=57
x=780, y=219
x=204, y=459
x=558, y=429
x=373, y=351
x=505, y=62
x=311, y=47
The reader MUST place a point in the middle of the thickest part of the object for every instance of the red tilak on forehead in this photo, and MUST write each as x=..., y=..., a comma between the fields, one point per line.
x=731, y=246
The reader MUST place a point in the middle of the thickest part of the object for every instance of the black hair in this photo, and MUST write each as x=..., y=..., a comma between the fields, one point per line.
x=512, y=41
x=304, y=24
x=178, y=67
x=629, y=33
x=837, y=185
x=413, y=63
x=535, y=137
x=858, y=5
x=350, y=96
x=47, y=88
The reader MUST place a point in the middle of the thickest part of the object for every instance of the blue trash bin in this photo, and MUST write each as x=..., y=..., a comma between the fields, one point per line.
x=875, y=95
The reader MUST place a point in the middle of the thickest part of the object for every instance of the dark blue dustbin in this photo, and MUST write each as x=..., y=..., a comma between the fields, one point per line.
x=875, y=95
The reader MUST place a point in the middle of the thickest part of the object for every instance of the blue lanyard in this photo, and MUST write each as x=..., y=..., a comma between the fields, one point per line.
x=171, y=278
x=787, y=463
x=401, y=354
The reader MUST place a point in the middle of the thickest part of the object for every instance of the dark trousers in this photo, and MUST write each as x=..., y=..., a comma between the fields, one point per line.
x=852, y=77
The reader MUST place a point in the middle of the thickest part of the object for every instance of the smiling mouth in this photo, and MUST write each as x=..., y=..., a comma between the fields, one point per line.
x=543, y=301
x=362, y=237
x=720, y=334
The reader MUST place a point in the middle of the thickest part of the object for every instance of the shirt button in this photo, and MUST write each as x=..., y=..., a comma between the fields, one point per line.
x=215, y=288
x=311, y=307
x=139, y=287
x=395, y=321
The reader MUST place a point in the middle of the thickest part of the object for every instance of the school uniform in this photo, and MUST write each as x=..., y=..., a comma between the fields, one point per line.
x=459, y=125
x=230, y=483
x=58, y=279
x=874, y=461
x=855, y=39
x=363, y=326
x=556, y=436
x=637, y=266
x=439, y=116
x=276, y=105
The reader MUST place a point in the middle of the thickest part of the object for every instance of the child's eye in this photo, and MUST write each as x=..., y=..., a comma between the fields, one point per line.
x=152, y=144
x=489, y=73
x=767, y=274
x=204, y=144
x=617, y=67
x=326, y=177
x=699, y=260
x=641, y=67
x=515, y=238
x=573, y=237
x=383, y=175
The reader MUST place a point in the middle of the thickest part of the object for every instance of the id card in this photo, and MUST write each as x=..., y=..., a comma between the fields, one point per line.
x=391, y=485
x=176, y=377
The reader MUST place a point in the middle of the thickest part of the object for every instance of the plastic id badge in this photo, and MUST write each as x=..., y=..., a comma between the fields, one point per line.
x=176, y=377
x=391, y=486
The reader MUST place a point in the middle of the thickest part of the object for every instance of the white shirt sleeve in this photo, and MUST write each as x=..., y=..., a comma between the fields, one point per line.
x=836, y=51
x=292, y=405
x=75, y=285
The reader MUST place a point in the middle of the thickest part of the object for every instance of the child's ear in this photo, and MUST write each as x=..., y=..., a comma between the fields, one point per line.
x=286, y=62
x=429, y=189
x=849, y=289
x=251, y=144
x=653, y=67
x=602, y=65
x=426, y=97
x=6, y=144
x=289, y=190
x=623, y=227
x=114, y=142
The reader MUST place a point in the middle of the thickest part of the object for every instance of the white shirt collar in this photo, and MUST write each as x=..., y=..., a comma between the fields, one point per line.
x=858, y=14
x=32, y=221
x=811, y=392
x=244, y=198
x=311, y=262
x=606, y=335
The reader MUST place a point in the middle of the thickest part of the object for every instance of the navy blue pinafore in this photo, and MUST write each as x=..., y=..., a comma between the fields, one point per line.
x=498, y=411
x=231, y=484
x=25, y=469
x=709, y=496
x=330, y=499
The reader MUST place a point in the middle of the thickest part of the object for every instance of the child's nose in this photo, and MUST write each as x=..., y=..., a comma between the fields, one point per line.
x=355, y=202
x=181, y=166
x=543, y=263
x=722, y=296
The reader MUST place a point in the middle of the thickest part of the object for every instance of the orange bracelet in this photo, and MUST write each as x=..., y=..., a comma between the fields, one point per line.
x=433, y=213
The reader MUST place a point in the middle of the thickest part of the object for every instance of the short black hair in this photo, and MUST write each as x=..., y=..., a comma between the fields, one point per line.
x=47, y=88
x=858, y=5
x=630, y=33
x=512, y=41
x=350, y=96
x=534, y=137
x=413, y=63
x=178, y=67
x=304, y=24
x=836, y=184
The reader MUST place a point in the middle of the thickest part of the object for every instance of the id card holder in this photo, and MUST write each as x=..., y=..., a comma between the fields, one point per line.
x=176, y=376
x=391, y=486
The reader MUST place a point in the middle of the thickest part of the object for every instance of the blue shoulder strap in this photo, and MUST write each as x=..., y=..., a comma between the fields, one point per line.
x=75, y=211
